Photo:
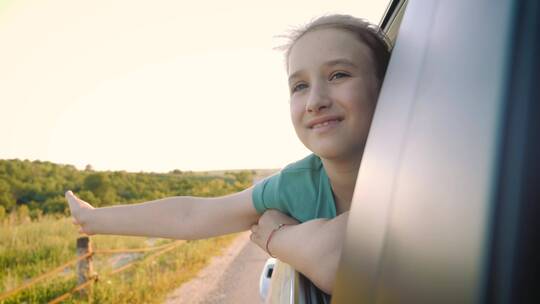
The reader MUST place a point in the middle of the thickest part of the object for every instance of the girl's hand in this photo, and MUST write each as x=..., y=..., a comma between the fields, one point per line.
x=270, y=220
x=80, y=211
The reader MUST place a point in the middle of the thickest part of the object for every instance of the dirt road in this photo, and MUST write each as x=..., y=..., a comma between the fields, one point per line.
x=230, y=278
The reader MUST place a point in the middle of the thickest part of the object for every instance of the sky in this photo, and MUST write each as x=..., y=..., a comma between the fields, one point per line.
x=125, y=85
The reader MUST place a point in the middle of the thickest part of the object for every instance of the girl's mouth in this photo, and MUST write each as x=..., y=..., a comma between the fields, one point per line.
x=325, y=126
x=326, y=123
x=323, y=121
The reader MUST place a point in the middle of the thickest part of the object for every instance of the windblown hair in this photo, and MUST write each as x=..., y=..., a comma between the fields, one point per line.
x=369, y=34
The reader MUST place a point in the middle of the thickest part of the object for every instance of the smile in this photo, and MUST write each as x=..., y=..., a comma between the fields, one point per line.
x=326, y=123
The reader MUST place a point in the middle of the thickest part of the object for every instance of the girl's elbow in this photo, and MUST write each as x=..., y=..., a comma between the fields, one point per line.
x=327, y=287
x=324, y=274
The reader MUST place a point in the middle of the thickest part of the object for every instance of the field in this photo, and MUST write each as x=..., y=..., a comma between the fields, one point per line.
x=37, y=236
x=29, y=248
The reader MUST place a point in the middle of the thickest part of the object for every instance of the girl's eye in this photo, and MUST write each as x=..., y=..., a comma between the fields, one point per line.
x=338, y=75
x=298, y=87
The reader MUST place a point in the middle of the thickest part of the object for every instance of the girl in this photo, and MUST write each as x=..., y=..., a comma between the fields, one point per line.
x=335, y=66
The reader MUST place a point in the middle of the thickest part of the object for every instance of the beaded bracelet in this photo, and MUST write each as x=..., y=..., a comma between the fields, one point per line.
x=270, y=237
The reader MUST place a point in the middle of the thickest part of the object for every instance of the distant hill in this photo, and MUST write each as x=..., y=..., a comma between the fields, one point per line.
x=41, y=185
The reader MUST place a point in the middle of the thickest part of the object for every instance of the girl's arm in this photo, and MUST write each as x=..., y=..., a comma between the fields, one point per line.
x=312, y=248
x=180, y=217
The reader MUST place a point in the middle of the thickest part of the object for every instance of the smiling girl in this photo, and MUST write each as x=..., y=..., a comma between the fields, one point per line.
x=335, y=66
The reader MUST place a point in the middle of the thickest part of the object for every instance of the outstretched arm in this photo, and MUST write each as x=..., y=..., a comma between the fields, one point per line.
x=312, y=248
x=180, y=217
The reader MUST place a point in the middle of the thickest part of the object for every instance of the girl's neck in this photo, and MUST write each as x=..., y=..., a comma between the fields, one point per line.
x=342, y=175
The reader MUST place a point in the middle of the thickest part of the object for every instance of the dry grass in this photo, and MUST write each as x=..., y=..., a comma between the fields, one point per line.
x=28, y=249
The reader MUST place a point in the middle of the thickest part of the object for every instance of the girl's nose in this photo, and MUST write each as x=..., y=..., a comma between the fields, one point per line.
x=318, y=99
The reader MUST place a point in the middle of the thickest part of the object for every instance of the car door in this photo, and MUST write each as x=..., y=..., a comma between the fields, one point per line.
x=447, y=194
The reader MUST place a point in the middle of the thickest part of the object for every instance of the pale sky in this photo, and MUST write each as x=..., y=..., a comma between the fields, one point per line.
x=152, y=85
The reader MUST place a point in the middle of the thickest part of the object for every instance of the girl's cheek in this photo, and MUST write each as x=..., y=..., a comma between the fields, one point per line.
x=297, y=112
x=295, y=107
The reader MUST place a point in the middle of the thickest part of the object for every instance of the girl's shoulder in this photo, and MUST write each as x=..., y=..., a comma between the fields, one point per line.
x=309, y=163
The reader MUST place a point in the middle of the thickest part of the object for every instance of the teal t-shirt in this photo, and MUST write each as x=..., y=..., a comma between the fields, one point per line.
x=302, y=190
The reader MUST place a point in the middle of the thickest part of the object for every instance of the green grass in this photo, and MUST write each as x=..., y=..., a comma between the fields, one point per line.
x=28, y=249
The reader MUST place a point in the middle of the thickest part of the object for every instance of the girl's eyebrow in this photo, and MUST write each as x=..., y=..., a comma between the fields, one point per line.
x=340, y=61
x=294, y=75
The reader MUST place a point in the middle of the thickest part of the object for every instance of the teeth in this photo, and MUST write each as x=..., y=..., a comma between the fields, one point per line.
x=323, y=124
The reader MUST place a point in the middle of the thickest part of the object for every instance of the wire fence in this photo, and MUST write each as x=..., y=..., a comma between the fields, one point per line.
x=86, y=275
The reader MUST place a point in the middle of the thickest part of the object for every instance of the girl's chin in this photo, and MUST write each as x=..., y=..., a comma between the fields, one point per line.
x=333, y=152
x=327, y=152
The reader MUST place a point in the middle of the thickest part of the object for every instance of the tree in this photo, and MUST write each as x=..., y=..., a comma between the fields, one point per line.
x=100, y=185
x=55, y=204
x=6, y=198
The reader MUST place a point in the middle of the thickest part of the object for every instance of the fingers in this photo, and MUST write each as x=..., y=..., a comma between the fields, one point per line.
x=253, y=230
x=75, y=205
x=70, y=194
x=71, y=200
x=71, y=197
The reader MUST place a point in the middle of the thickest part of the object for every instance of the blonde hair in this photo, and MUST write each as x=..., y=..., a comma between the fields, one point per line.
x=369, y=34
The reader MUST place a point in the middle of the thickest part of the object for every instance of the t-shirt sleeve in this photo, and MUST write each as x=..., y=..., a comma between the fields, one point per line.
x=266, y=194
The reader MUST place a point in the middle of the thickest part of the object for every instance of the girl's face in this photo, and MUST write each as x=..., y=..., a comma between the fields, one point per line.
x=333, y=91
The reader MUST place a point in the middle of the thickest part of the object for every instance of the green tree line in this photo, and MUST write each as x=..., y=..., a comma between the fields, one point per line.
x=40, y=185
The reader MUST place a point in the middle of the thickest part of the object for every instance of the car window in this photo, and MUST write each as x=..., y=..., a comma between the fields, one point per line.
x=431, y=222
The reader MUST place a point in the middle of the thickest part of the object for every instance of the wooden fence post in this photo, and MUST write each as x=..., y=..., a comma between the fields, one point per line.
x=84, y=266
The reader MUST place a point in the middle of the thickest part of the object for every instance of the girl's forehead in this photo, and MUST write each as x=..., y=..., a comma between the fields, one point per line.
x=318, y=47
